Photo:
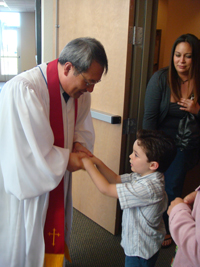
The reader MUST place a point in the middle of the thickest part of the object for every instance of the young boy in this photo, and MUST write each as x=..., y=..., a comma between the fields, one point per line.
x=141, y=195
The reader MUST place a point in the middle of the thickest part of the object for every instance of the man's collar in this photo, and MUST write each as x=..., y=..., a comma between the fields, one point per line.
x=66, y=96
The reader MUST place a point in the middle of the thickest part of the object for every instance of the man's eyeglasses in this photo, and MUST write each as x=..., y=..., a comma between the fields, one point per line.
x=87, y=83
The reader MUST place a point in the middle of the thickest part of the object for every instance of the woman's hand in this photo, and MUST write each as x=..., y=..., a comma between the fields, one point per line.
x=189, y=105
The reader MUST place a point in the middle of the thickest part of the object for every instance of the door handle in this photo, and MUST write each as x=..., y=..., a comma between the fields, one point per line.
x=103, y=116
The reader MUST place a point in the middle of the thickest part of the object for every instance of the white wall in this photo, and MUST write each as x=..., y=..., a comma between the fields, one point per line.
x=28, y=43
x=47, y=13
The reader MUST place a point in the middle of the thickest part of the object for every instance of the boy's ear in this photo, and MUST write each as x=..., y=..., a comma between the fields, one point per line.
x=154, y=165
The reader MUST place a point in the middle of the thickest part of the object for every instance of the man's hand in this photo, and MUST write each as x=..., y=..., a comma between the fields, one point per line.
x=77, y=147
x=75, y=163
x=175, y=202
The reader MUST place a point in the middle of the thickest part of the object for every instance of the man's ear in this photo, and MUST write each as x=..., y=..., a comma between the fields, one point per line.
x=154, y=165
x=67, y=67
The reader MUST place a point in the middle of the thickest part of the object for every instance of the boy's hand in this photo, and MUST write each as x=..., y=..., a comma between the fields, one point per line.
x=77, y=147
x=86, y=162
x=93, y=159
x=175, y=202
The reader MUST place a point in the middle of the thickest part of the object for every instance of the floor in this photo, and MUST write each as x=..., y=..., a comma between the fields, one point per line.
x=93, y=246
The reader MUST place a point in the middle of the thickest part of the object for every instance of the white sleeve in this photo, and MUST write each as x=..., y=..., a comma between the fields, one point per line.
x=30, y=164
x=84, y=130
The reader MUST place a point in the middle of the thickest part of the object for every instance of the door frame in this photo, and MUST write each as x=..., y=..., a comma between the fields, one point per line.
x=142, y=58
x=139, y=68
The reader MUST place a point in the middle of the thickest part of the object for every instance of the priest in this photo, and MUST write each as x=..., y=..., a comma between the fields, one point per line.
x=45, y=130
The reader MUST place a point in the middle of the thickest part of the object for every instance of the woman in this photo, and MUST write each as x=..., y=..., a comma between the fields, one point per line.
x=172, y=93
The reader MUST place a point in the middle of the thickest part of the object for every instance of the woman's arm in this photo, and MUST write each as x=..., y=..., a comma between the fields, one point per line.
x=153, y=98
x=184, y=228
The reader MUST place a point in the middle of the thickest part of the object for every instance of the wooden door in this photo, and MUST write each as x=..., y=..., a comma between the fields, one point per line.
x=108, y=21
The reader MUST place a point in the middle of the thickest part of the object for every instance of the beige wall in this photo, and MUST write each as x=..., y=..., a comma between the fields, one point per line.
x=28, y=43
x=48, y=30
x=176, y=17
x=107, y=21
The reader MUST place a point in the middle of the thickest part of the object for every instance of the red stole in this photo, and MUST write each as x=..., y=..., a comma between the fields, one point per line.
x=54, y=231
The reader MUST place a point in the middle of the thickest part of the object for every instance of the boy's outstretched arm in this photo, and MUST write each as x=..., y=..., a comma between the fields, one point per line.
x=110, y=175
x=104, y=178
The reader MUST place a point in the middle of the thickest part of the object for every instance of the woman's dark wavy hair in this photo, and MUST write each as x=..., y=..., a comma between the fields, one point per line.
x=158, y=147
x=174, y=80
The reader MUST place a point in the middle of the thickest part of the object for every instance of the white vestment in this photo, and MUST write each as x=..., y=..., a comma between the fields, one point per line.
x=31, y=166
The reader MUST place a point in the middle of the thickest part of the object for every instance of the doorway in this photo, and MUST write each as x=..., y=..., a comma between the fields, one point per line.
x=112, y=23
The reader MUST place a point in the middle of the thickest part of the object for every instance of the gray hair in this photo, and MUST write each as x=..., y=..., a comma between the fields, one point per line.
x=81, y=52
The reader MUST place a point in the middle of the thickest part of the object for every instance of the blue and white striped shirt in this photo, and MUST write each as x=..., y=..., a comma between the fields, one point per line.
x=143, y=201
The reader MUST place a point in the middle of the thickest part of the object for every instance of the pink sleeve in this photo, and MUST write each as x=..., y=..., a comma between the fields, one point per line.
x=184, y=227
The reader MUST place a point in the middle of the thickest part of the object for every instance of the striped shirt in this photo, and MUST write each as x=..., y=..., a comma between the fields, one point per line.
x=143, y=201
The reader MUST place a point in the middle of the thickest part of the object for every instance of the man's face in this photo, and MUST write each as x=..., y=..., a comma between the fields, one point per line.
x=138, y=160
x=76, y=85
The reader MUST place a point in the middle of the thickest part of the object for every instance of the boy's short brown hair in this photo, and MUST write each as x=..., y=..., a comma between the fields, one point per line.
x=158, y=147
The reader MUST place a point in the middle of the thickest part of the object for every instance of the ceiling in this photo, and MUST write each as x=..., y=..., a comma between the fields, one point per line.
x=18, y=6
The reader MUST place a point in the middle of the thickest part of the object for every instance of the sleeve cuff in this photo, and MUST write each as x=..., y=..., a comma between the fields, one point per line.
x=179, y=207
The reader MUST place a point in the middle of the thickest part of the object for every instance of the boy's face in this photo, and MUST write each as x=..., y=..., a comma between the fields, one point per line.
x=138, y=160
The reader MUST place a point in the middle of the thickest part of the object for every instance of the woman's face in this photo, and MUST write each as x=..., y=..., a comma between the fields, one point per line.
x=183, y=58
